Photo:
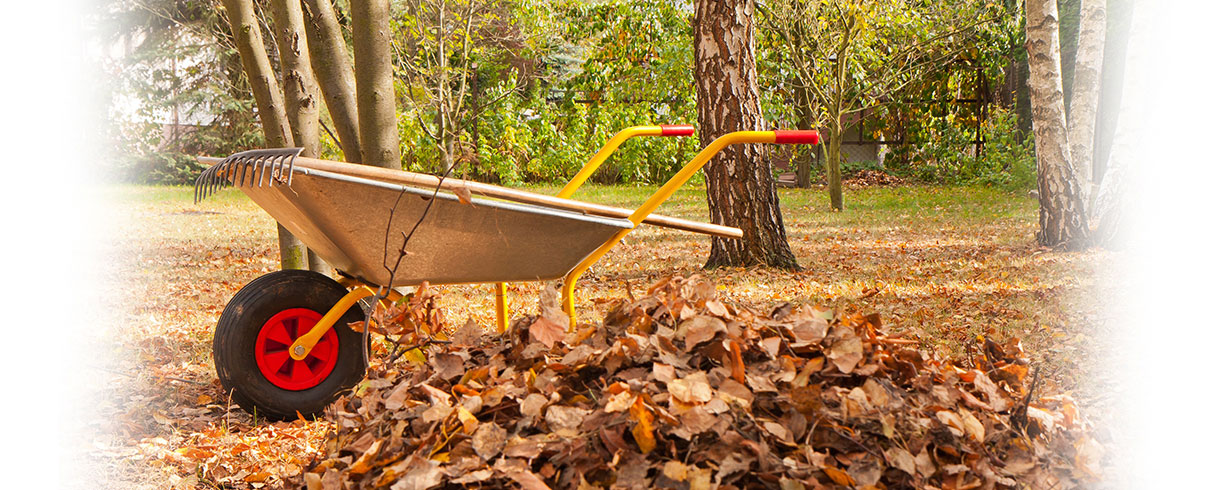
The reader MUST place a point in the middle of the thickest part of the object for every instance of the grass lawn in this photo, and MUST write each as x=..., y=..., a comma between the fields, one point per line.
x=948, y=264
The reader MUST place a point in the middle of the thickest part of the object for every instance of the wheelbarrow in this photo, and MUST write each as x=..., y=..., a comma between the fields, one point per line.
x=275, y=347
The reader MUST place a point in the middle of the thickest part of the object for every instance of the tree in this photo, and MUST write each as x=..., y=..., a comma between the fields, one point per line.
x=1086, y=89
x=271, y=108
x=301, y=91
x=843, y=58
x=444, y=38
x=1062, y=218
x=375, y=86
x=739, y=186
x=330, y=60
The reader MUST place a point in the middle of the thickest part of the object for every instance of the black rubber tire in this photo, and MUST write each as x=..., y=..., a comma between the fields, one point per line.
x=245, y=315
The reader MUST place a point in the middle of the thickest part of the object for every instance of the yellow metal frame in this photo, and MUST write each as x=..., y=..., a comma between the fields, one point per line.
x=499, y=289
x=652, y=203
x=301, y=348
x=304, y=344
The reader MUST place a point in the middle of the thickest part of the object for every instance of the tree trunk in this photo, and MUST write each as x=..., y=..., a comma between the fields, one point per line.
x=833, y=158
x=1062, y=208
x=334, y=71
x=301, y=91
x=1086, y=89
x=375, y=89
x=270, y=106
x=1114, y=201
x=739, y=186
x=833, y=163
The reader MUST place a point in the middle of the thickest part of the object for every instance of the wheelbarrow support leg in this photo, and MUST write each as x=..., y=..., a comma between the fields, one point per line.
x=503, y=313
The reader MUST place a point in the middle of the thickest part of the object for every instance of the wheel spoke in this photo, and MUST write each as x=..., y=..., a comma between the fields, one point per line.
x=291, y=327
x=279, y=335
x=324, y=350
x=277, y=359
x=301, y=372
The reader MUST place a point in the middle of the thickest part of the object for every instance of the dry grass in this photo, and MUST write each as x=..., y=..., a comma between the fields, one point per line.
x=948, y=264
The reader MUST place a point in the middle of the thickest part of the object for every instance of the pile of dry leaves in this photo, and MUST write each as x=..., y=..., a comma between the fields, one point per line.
x=872, y=178
x=677, y=389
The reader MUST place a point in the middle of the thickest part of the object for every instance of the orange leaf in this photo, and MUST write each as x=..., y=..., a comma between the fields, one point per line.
x=643, y=432
x=838, y=476
x=737, y=362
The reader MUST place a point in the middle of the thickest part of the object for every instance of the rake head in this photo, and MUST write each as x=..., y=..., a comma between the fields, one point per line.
x=252, y=167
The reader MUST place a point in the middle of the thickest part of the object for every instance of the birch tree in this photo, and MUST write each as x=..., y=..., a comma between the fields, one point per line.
x=1062, y=215
x=1086, y=89
x=739, y=186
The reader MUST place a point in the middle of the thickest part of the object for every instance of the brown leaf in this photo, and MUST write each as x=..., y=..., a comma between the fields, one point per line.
x=421, y=474
x=620, y=402
x=643, y=431
x=363, y=464
x=467, y=419
x=838, y=476
x=846, y=353
x=467, y=335
x=676, y=470
x=395, y=400
x=865, y=471
x=489, y=440
x=901, y=459
x=700, y=328
x=953, y=421
x=561, y=418
x=973, y=426
x=692, y=389
x=737, y=361
x=547, y=331
x=464, y=194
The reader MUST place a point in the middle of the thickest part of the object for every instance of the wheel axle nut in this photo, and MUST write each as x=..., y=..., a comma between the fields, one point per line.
x=299, y=351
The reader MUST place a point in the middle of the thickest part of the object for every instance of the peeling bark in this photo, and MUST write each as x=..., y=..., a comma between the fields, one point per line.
x=1062, y=216
x=739, y=186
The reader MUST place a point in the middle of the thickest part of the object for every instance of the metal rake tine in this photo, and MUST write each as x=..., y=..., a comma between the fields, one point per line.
x=197, y=187
x=240, y=169
x=277, y=169
x=258, y=162
x=212, y=181
x=292, y=157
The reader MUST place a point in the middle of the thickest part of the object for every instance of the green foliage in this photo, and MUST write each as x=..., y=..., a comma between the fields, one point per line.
x=535, y=87
x=945, y=157
x=178, y=91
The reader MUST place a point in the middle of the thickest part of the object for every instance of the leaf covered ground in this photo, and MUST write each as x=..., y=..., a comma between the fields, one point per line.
x=948, y=267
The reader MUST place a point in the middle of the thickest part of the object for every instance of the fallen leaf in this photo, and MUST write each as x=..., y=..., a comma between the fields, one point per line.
x=846, y=353
x=692, y=389
x=489, y=440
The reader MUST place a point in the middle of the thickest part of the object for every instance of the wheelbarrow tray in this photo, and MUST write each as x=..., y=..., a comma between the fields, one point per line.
x=358, y=226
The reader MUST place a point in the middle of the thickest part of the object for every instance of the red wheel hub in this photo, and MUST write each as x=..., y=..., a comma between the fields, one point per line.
x=272, y=350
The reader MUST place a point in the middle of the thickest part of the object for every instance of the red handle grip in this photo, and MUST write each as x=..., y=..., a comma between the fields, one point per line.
x=676, y=130
x=797, y=137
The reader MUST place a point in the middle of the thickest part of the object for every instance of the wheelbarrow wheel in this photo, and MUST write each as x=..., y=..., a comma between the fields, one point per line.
x=251, y=345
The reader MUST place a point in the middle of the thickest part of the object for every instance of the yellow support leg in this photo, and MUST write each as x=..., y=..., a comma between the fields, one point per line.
x=567, y=299
x=302, y=346
x=503, y=313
